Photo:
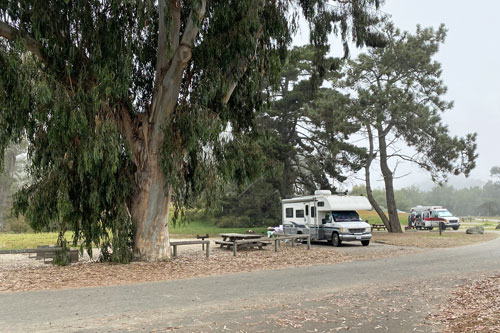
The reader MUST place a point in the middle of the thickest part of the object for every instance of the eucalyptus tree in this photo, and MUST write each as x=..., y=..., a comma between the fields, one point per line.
x=399, y=100
x=124, y=103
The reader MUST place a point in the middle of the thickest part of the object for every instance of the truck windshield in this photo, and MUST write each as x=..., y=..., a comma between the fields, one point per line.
x=346, y=216
x=444, y=213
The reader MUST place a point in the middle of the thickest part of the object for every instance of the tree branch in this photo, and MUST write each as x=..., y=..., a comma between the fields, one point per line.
x=30, y=43
x=165, y=98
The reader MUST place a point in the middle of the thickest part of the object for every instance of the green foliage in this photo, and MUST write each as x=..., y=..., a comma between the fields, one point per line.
x=84, y=94
x=400, y=94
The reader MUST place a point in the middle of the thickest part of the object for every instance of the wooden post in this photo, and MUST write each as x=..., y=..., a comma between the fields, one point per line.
x=309, y=242
x=208, y=249
x=175, y=251
x=276, y=245
x=234, y=248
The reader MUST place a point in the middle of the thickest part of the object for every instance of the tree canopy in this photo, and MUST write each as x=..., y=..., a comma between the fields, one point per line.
x=127, y=105
x=398, y=97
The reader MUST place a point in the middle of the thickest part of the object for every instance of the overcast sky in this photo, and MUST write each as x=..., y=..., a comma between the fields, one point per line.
x=470, y=60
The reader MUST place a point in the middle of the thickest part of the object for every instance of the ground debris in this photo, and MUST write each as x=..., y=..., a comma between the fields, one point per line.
x=29, y=274
x=473, y=307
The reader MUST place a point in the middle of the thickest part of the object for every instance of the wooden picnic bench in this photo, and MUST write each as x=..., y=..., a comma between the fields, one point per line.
x=243, y=241
x=45, y=252
x=203, y=242
x=378, y=227
x=202, y=237
x=277, y=240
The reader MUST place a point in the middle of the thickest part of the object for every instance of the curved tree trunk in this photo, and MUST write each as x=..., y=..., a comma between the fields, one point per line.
x=369, y=194
x=394, y=225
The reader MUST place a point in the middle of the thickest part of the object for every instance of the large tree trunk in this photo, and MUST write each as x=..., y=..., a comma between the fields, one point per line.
x=369, y=193
x=394, y=225
x=149, y=210
x=150, y=207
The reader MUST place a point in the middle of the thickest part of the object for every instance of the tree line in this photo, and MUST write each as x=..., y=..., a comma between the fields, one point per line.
x=471, y=201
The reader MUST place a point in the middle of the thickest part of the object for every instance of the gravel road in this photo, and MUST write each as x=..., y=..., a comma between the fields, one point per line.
x=392, y=294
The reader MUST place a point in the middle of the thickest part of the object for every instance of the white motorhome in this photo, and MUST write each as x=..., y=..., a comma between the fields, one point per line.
x=428, y=217
x=327, y=217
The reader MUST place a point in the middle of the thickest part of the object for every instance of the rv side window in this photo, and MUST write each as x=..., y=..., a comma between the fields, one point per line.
x=321, y=204
x=307, y=210
x=313, y=211
x=289, y=212
x=299, y=213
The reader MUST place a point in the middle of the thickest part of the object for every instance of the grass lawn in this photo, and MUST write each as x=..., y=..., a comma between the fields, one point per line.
x=431, y=239
x=373, y=217
x=193, y=228
x=29, y=240
x=10, y=241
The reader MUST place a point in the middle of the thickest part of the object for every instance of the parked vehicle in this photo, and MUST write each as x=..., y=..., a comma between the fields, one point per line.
x=327, y=217
x=430, y=217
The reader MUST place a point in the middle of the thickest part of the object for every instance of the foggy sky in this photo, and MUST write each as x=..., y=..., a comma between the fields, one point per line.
x=470, y=59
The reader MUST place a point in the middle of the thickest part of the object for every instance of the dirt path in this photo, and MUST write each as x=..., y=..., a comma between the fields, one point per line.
x=391, y=294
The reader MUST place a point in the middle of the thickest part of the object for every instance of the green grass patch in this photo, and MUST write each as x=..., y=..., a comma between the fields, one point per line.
x=373, y=217
x=10, y=241
x=193, y=228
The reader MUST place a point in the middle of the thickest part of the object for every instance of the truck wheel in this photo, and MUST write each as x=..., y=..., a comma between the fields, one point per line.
x=455, y=228
x=430, y=228
x=336, y=239
x=365, y=242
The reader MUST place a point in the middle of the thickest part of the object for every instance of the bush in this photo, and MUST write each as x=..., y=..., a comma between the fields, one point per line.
x=244, y=222
x=235, y=222
x=17, y=226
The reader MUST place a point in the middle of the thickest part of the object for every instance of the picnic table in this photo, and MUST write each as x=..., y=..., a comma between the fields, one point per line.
x=242, y=240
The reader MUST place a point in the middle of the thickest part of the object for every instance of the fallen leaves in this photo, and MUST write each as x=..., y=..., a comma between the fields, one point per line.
x=29, y=274
x=473, y=307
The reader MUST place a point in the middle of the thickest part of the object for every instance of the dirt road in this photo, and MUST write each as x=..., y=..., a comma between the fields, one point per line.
x=392, y=294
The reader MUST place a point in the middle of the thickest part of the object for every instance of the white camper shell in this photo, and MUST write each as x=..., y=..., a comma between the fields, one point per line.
x=327, y=217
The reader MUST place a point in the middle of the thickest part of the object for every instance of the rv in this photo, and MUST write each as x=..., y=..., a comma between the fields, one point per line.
x=327, y=217
x=429, y=217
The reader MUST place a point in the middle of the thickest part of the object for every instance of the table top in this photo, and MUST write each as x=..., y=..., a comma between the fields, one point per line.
x=241, y=236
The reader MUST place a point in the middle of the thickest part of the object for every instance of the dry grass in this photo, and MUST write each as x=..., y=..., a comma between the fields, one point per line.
x=431, y=239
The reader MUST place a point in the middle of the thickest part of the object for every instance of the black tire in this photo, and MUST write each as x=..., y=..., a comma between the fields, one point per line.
x=456, y=228
x=365, y=242
x=336, y=240
x=430, y=228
